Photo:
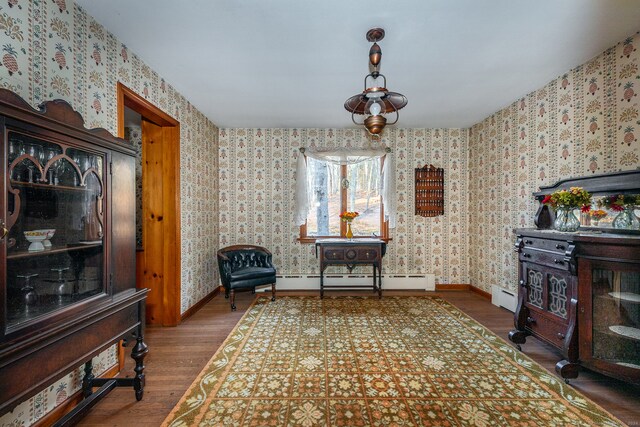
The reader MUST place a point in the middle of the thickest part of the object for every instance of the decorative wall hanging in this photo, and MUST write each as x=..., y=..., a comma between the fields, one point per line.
x=429, y=191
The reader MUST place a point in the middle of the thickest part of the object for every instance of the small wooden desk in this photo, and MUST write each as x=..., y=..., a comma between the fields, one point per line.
x=351, y=253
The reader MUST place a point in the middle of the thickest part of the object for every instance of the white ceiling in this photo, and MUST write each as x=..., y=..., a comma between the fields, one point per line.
x=293, y=63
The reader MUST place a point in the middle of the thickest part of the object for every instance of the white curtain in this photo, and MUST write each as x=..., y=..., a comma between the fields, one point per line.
x=346, y=156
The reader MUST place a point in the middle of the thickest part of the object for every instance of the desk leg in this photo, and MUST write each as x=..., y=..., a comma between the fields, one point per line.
x=374, y=278
x=321, y=282
x=380, y=281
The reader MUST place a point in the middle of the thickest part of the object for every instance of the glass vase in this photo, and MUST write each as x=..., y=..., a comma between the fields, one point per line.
x=349, y=233
x=566, y=220
x=627, y=219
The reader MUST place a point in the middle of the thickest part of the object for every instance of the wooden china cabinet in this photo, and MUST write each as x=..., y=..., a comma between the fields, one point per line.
x=67, y=251
x=580, y=291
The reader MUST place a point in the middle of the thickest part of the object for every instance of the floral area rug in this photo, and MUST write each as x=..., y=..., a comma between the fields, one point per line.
x=359, y=361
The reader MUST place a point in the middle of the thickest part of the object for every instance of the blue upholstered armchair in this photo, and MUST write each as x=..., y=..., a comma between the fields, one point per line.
x=245, y=267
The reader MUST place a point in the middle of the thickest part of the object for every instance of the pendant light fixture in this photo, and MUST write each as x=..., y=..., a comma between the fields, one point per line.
x=376, y=100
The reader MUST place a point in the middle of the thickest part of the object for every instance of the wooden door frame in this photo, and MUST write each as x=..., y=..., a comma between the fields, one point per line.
x=171, y=195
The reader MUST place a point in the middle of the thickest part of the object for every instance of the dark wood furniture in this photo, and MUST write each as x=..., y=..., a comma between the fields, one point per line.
x=68, y=298
x=351, y=252
x=580, y=291
x=245, y=267
x=429, y=188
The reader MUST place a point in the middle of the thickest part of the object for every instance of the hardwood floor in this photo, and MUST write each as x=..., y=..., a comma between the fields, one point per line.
x=178, y=354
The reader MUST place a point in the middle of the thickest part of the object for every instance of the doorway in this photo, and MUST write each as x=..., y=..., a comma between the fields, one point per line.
x=158, y=204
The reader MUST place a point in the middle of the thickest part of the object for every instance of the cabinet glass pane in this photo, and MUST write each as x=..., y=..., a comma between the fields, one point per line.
x=616, y=317
x=534, y=282
x=55, y=254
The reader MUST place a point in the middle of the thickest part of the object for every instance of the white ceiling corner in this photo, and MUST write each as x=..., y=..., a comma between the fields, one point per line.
x=292, y=63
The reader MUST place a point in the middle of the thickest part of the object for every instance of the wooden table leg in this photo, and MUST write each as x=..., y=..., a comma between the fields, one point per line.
x=321, y=282
x=374, y=278
x=380, y=281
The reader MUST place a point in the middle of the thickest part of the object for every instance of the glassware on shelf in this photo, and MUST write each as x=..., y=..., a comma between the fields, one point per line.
x=33, y=150
x=80, y=160
x=18, y=150
x=28, y=291
x=62, y=288
x=48, y=154
x=62, y=166
x=15, y=147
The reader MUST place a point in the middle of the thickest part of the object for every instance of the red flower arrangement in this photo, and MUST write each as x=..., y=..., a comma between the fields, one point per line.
x=618, y=202
x=575, y=197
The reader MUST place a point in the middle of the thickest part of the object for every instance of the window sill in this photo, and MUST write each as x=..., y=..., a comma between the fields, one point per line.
x=311, y=240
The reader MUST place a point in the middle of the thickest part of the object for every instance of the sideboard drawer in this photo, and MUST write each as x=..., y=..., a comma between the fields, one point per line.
x=559, y=246
x=550, y=259
x=550, y=331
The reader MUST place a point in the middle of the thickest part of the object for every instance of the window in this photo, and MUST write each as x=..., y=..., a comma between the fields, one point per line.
x=337, y=188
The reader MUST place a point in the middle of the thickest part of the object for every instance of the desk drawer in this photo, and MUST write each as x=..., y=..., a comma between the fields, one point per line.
x=351, y=254
x=334, y=254
x=368, y=254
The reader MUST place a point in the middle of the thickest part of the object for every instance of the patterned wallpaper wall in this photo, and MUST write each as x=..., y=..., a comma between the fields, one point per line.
x=257, y=181
x=584, y=122
x=53, y=49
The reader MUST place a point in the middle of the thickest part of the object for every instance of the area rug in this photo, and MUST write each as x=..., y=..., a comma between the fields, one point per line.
x=360, y=361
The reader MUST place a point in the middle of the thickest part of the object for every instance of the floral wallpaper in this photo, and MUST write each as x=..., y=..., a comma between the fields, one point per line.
x=53, y=49
x=257, y=182
x=585, y=122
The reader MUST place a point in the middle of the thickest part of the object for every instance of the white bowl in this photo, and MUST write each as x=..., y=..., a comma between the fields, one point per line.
x=50, y=232
x=36, y=237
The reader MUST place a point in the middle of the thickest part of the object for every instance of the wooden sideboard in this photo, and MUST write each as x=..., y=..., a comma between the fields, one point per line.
x=580, y=291
x=350, y=253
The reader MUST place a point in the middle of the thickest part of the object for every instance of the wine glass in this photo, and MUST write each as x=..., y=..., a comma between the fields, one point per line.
x=29, y=293
x=18, y=168
x=62, y=282
x=48, y=154
x=62, y=166
x=33, y=150
x=78, y=158
x=15, y=150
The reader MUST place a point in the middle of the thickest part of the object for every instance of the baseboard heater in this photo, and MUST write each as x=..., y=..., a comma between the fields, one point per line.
x=504, y=298
x=425, y=282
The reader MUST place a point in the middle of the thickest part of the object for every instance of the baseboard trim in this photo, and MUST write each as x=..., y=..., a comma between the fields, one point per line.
x=480, y=292
x=71, y=402
x=197, y=306
x=452, y=287
x=463, y=287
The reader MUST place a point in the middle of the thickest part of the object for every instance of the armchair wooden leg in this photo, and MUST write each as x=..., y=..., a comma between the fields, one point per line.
x=232, y=295
x=226, y=293
x=273, y=292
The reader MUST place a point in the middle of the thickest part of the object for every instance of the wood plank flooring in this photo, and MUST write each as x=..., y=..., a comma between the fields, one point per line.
x=178, y=354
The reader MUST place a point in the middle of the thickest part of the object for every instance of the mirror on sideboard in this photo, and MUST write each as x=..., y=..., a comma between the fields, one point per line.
x=615, y=202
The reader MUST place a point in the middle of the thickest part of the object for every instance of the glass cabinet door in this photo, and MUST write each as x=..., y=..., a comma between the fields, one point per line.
x=55, y=206
x=616, y=316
